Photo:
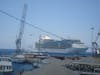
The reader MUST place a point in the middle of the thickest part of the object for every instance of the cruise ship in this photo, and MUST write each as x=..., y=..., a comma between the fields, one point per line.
x=46, y=44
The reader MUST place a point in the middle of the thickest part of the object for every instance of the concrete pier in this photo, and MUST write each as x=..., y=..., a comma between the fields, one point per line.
x=53, y=67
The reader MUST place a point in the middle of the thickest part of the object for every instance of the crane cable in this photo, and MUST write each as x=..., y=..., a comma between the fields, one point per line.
x=3, y=12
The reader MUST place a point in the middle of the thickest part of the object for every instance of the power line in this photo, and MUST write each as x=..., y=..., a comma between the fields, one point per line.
x=3, y=12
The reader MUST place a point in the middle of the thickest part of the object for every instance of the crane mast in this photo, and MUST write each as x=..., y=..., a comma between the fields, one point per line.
x=21, y=30
x=95, y=45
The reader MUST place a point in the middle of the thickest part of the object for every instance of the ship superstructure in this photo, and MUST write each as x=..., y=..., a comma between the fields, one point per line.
x=46, y=44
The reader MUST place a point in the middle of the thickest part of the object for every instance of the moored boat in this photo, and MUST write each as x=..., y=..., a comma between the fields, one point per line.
x=18, y=59
x=5, y=64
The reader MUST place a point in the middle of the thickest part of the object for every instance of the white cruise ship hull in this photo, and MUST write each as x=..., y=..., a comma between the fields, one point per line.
x=68, y=50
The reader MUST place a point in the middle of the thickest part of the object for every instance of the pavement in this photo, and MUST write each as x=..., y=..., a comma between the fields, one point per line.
x=53, y=67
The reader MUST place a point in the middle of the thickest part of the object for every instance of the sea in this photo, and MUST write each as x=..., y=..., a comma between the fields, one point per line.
x=18, y=67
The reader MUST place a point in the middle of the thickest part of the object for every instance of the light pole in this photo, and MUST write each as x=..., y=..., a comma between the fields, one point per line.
x=92, y=40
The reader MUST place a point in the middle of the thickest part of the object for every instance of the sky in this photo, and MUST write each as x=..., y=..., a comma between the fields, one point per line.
x=71, y=19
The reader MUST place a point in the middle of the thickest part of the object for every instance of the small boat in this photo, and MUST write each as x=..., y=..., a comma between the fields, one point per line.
x=18, y=59
x=34, y=57
x=5, y=64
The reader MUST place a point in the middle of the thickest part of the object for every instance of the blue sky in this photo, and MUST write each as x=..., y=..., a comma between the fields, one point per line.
x=66, y=18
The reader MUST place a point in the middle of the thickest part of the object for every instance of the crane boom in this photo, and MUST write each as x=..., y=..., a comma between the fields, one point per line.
x=21, y=31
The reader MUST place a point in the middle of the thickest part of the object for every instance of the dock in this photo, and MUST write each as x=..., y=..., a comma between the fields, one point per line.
x=52, y=67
